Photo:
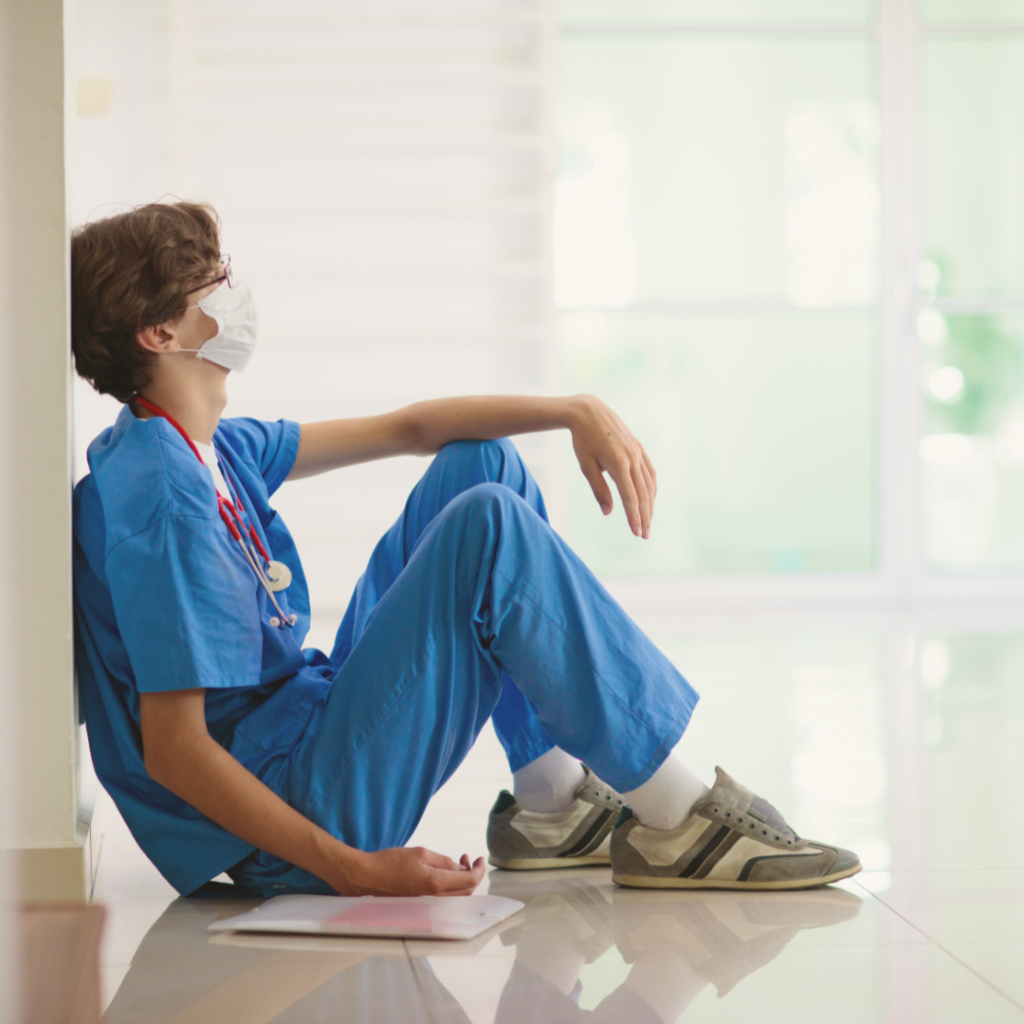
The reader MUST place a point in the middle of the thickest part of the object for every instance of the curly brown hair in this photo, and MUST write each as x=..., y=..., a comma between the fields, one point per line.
x=133, y=271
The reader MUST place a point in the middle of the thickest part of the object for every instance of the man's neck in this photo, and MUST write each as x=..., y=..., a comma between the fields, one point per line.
x=198, y=411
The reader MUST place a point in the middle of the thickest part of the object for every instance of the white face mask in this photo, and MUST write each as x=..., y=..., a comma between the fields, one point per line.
x=235, y=313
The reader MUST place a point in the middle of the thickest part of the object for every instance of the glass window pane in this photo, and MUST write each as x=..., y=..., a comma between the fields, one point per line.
x=973, y=11
x=722, y=11
x=761, y=429
x=974, y=165
x=972, y=452
x=711, y=170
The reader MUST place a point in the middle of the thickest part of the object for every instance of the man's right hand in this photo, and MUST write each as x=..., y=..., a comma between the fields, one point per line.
x=406, y=871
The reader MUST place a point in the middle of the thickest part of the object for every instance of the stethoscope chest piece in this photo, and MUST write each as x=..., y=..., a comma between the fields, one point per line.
x=279, y=575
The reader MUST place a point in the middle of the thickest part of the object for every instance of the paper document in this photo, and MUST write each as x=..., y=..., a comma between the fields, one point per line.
x=393, y=917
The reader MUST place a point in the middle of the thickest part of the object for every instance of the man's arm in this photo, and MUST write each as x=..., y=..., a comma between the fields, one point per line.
x=602, y=442
x=181, y=755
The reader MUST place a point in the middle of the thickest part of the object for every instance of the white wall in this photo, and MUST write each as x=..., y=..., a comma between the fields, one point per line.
x=37, y=700
x=382, y=172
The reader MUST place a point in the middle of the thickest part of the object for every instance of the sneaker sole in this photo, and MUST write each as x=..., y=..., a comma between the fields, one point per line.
x=546, y=863
x=654, y=882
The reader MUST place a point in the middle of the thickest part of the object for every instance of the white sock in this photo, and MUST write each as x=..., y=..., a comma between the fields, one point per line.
x=548, y=783
x=665, y=800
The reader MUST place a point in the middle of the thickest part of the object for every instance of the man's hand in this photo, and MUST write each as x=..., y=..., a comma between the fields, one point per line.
x=604, y=444
x=404, y=871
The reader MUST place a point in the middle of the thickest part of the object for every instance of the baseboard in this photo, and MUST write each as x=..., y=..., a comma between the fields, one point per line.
x=51, y=874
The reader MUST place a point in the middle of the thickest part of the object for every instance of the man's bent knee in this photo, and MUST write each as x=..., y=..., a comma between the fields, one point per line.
x=485, y=461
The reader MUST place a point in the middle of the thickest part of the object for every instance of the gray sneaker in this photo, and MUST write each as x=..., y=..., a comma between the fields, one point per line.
x=732, y=840
x=523, y=840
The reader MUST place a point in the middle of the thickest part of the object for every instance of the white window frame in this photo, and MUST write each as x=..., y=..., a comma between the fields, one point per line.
x=902, y=575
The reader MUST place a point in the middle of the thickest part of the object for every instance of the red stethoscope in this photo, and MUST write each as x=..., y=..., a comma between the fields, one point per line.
x=276, y=575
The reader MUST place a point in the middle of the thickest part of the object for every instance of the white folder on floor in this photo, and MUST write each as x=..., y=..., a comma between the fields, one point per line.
x=390, y=917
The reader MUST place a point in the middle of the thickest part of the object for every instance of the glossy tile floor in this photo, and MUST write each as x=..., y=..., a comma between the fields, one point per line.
x=900, y=737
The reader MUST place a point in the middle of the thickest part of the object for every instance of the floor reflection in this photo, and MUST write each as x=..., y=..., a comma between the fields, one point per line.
x=182, y=974
x=675, y=943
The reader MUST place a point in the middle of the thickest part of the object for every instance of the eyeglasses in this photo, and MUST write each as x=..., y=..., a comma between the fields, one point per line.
x=228, y=275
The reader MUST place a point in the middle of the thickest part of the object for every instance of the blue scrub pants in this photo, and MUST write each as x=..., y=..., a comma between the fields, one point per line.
x=471, y=608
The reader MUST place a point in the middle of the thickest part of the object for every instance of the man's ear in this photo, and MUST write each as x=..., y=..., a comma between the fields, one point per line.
x=158, y=339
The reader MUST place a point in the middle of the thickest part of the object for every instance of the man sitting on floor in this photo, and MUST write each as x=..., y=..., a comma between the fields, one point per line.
x=227, y=746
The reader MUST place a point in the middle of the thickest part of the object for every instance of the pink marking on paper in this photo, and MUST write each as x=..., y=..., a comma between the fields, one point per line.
x=375, y=916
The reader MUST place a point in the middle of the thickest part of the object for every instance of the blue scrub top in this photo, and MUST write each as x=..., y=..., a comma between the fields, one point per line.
x=164, y=600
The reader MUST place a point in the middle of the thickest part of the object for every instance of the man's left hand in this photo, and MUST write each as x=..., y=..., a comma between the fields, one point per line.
x=604, y=444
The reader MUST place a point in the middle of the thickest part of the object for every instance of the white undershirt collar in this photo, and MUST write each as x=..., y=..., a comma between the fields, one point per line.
x=209, y=456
